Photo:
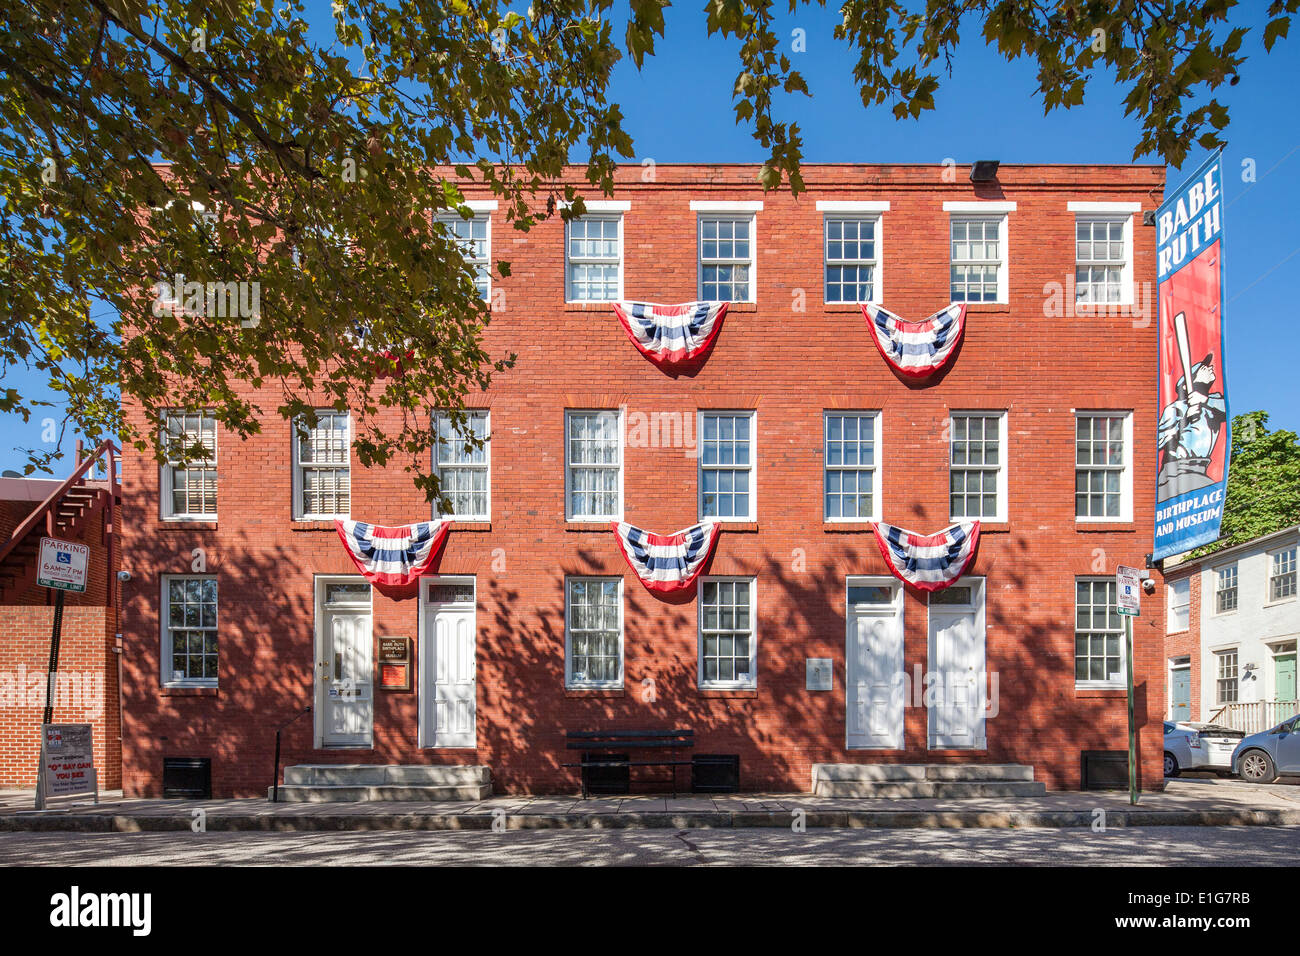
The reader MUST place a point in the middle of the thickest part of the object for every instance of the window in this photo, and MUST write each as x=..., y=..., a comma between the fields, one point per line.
x=1180, y=603
x=1098, y=634
x=189, y=491
x=1102, y=480
x=727, y=648
x=1101, y=263
x=852, y=476
x=726, y=258
x=978, y=267
x=463, y=469
x=593, y=632
x=474, y=236
x=1225, y=589
x=1281, y=579
x=189, y=618
x=727, y=465
x=977, y=474
x=1225, y=684
x=322, y=477
x=594, y=466
x=594, y=259
x=852, y=257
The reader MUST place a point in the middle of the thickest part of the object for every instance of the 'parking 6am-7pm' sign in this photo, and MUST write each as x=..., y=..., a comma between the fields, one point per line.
x=63, y=565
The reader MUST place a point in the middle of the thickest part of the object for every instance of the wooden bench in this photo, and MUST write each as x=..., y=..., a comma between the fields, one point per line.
x=603, y=749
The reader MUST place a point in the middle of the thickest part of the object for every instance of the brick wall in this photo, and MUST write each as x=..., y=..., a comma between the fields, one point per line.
x=788, y=357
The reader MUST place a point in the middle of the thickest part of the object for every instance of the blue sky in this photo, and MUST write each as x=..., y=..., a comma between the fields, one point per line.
x=679, y=109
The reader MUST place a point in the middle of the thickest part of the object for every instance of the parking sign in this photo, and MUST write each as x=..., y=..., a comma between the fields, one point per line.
x=1129, y=586
x=62, y=565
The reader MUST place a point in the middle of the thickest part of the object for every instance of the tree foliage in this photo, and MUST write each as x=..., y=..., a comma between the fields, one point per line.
x=141, y=140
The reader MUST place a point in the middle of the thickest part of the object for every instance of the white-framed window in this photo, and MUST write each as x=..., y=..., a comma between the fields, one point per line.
x=852, y=249
x=474, y=236
x=593, y=258
x=189, y=490
x=1282, y=575
x=189, y=630
x=728, y=647
x=1103, y=261
x=464, y=470
x=1098, y=634
x=726, y=480
x=593, y=472
x=1225, y=676
x=1180, y=605
x=593, y=632
x=977, y=465
x=727, y=250
x=977, y=240
x=1103, y=466
x=851, y=471
x=1225, y=588
x=322, y=473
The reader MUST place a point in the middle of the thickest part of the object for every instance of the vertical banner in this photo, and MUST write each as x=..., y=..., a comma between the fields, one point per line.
x=1193, y=435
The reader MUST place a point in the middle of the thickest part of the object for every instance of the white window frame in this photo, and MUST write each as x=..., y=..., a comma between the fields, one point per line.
x=753, y=464
x=569, y=261
x=877, y=469
x=1126, y=472
x=482, y=209
x=485, y=466
x=167, y=475
x=1175, y=606
x=1219, y=589
x=299, y=514
x=997, y=211
x=569, y=466
x=165, y=637
x=752, y=682
x=1116, y=681
x=569, y=682
x=1107, y=212
x=1273, y=556
x=861, y=212
x=739, y=210
x=1001, y=415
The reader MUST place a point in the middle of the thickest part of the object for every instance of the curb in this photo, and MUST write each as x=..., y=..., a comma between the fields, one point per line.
x=739, y=819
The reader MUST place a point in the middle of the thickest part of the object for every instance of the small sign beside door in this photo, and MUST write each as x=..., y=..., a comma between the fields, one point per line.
x=395, y=663
x=62, y=565
x=820, y=674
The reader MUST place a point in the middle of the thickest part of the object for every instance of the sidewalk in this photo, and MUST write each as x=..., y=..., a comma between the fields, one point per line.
x=1185, y=802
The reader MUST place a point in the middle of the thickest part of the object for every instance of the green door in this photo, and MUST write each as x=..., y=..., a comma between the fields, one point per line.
x=1285, y=676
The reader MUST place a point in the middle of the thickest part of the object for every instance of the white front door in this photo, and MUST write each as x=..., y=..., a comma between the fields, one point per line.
x=875, y=685
x=345, y=693
x=448, y=665
x=955, y=687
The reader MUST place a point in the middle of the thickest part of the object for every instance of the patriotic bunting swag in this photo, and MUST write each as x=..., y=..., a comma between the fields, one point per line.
x=666, y=562
x=671, y=335
x=394, y=556
x=930, y=562
x=917, y=349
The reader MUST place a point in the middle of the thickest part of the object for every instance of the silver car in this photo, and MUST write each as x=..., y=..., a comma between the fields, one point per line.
x=1261, y=757
x=1195, y=746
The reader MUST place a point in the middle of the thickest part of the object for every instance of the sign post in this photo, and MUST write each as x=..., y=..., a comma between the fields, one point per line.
x=1128, y=588
x=62, y=567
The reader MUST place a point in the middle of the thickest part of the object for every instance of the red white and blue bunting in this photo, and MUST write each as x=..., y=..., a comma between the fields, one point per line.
x=930, y=562
x=393, y=556
x=666, y=562
x=916, y=349
x=671, y=335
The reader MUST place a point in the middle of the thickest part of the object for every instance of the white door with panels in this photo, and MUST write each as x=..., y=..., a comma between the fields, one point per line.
x=955, y=690
x=875, y=681
x=345, y=699
x=448, y=664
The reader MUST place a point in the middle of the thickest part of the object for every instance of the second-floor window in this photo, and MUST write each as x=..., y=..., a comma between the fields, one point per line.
x=1282, y=575
x=189, y=488
x=1225, y=589
x=977, y=466
x=852, y=475
x=594, y=259
x=978, y=266
x=727, y=465
x=464, y=468
x=1102, y=461
x=322, y=472
x=726, y=258
x=851, y=258
x=1180, y=604
x=593, y=466
x=1101, y=264
x=475, y=239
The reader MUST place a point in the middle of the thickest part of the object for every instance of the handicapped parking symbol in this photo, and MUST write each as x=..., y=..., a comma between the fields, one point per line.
x=63, y=558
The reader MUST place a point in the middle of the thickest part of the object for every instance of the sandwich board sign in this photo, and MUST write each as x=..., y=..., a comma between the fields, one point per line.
x=67, y=763
x=62, y=565
x=1129, y=591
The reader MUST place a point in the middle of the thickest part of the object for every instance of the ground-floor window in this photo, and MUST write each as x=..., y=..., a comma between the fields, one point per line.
x=727, y=649
x=593, y=632
x=1098, y=634
x=1225, y=684
x=189, y=617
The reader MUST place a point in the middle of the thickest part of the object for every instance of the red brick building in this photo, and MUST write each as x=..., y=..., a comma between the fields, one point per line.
x=244, y=607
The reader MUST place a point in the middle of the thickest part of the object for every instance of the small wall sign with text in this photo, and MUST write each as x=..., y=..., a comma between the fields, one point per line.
x=395, y=663
x=820, y=674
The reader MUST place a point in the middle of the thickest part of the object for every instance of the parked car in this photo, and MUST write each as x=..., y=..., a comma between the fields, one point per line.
x=1261, y=757
x=1195, y=746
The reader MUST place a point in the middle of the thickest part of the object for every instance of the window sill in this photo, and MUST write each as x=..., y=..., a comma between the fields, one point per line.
x=1101, y=692
x=589, y=527
x=186, y=524
x=589, y=306
x=572, y=692
x=987, y=306
x=459, y=525
x=739, y=526
x=1285, y=600
x=187, y=691
x=737, y=692
x=993, y=527
x=311, y=525
x=846, y=527
x=741, y=306
x=1094, y=526
x=847, y=307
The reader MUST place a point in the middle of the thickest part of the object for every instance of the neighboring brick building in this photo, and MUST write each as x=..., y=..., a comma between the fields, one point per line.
x=87, y=685
x=565, y=637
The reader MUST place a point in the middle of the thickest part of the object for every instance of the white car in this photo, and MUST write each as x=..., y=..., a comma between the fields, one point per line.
x=1192, y=746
